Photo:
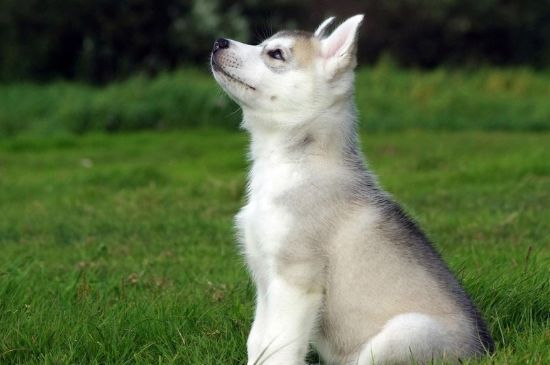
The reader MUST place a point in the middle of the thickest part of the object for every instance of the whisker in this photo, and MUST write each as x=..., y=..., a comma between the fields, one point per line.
x=279, y=349
x=256, y=362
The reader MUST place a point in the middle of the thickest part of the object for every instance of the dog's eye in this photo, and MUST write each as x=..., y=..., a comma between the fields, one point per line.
x=276, y=54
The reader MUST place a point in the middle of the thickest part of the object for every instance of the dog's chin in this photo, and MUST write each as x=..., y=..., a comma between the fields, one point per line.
x=237, y=93
x=235, y=89
x=222, y=74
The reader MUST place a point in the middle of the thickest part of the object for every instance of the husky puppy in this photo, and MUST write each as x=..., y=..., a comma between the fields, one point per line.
x=336, y=262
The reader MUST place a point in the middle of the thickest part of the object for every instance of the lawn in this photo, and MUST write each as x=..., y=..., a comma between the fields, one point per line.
x=119, y=249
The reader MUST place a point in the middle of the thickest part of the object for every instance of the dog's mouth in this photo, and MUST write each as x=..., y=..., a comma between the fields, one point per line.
x=216, y=67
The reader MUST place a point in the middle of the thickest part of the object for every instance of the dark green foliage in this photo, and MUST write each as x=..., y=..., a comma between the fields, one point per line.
x=427, y=33
x=104, y=40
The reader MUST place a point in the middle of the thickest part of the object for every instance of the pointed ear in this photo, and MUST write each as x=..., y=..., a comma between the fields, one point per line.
x=322, y=29
x=340, y=48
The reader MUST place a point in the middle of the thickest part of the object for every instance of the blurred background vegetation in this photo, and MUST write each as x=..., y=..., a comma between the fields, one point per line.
x=110, y=65
x=103, y=40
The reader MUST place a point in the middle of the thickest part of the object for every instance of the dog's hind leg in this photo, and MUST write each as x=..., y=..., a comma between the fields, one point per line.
x=410, y=338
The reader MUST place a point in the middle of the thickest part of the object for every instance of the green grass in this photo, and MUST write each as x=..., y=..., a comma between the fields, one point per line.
x=388, y=99
x=119, y=249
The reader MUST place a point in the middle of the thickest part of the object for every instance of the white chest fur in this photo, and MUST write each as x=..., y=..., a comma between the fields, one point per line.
x=264, y=222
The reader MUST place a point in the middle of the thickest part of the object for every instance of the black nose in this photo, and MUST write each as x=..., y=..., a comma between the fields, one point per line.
x=220, y=43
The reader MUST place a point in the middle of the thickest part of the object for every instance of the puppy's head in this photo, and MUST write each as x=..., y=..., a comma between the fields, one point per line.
x=292, y=74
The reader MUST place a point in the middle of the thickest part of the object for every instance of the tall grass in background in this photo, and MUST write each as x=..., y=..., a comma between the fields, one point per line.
x=388, y=98
x=483, y=99
x=184, y=99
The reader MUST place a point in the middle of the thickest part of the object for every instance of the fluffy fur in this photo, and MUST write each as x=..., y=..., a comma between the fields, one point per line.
x=336, y=261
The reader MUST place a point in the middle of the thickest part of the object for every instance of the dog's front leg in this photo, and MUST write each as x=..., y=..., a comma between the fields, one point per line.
x=257, y=332
x=290, y=314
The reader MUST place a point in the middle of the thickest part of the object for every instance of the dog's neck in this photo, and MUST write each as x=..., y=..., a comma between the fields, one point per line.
x=329, y=135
